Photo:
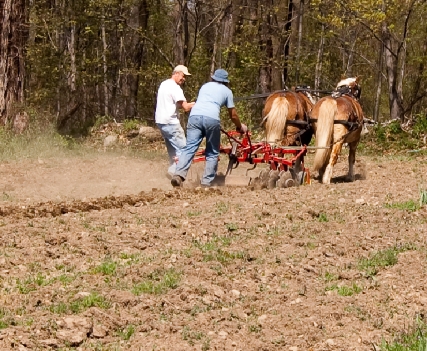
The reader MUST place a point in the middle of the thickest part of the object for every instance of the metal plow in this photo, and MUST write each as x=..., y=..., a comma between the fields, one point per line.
x=285, y=164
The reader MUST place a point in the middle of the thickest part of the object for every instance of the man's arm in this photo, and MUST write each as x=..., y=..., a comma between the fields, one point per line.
x=186, y=106
x=235, y=119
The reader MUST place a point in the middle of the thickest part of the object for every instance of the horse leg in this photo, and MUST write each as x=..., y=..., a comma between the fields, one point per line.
x=336, y=149
x=351, y=160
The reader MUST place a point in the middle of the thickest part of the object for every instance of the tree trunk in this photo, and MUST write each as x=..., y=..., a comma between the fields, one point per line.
x=319, y=60
x=391, y=60
x=379, y=83
x=13, y=37
x=266, y=49
x=287, y=46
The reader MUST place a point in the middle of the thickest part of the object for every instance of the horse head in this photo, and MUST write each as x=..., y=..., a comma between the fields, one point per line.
x=348, y=86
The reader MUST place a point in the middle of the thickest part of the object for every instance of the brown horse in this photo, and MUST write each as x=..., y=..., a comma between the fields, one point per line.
x=286, y=117
x=338, y=119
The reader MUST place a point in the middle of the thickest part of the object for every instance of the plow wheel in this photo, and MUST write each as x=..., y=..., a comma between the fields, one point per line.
x=285, y=180
x=273, y=177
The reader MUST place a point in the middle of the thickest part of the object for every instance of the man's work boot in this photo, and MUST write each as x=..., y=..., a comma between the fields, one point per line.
x=176, y=180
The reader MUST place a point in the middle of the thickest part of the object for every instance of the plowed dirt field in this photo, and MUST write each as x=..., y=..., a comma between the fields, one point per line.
x=101, y=253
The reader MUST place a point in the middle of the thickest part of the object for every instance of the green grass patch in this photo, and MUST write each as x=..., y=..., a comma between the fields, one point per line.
x=81, y=304
x=344, y=290
x=108, y=267
x=5, y=318
x=213, y=250
x=416, y=340
x=221, y=208
x=409, y=205
x=381, y=259
x=328, y=277
x=31, y=283
x=158, y=282
x=192, y=336
x=126, y=333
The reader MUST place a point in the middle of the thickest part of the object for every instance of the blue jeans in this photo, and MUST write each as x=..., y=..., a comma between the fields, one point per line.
x=200, y=127
x=175, y=140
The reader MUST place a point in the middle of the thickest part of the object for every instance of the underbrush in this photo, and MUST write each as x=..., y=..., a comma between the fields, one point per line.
x=35, y=143
x=392, y=138
x=44, y=141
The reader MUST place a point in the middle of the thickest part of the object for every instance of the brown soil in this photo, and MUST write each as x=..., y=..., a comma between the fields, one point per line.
x=85, y=240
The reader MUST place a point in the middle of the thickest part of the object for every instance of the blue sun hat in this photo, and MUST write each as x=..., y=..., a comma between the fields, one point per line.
x=221, y=75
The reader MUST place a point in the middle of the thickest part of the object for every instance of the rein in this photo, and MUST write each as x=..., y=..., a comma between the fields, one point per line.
x=263, y=95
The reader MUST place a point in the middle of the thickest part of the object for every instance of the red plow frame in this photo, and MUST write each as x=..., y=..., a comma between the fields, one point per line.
x=286, y=162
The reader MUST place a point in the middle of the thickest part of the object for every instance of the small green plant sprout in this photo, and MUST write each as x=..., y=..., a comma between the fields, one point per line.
x=328, y=276
x=191, y=336
x=423, y=197
x=323, y=217
x=126, y=333
x=231, y=227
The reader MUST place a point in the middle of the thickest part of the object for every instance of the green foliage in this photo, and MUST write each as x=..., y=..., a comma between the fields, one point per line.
x=130, y=124
x=419, y=129
x=392, y=138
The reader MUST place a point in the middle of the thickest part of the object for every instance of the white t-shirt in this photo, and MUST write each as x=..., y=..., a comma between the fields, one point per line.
x=168, y=95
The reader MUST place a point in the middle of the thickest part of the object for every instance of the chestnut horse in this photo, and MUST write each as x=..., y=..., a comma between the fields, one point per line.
x=286, y=117
x=338, y=119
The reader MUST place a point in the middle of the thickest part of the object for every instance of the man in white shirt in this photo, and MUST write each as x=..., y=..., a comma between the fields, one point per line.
x=170, y=99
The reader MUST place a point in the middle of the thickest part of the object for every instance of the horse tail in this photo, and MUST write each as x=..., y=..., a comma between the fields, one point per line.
x=275, y=120
x=326, y=113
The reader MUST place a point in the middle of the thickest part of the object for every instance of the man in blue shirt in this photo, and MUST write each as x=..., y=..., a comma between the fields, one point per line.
x=204, y=122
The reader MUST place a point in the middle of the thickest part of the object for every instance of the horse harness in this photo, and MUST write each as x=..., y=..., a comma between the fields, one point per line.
x=352, y=93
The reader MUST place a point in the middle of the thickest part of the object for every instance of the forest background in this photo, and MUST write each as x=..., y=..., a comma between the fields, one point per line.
x=72, y=62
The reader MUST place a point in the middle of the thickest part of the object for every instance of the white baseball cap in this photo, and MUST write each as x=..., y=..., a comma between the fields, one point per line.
x=183, y=69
